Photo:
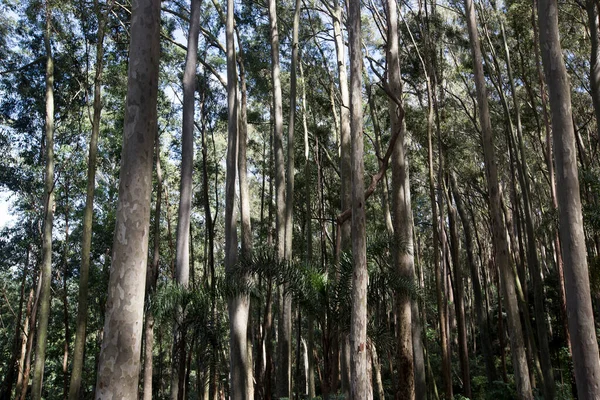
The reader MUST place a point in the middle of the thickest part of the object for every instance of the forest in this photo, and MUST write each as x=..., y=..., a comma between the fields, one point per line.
x=300, y=199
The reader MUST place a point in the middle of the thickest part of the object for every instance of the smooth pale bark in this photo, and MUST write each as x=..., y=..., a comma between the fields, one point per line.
x=360, y=383
x=515, y=329
x=46, y=265
x=119, y=361
x=238, y=304
x=284, y=348
x=346, y=185
x=182, y=251
x=86, y=240
x=245, y=218
x=310, y=368
x=151, y=278
x=289, y=199
x=403, y=259
x=579, y=305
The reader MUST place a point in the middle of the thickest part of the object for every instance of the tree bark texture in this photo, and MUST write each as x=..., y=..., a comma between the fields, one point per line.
x=403, y=261
x=360, y=385
x=119, y=362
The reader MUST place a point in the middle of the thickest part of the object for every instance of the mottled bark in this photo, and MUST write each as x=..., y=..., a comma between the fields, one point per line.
x=46, y=265
x=119, y=362
x=359, y=387
x=579, y=305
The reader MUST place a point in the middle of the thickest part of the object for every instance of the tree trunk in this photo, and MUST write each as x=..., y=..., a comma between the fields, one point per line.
x=359, y=388
x=151, y=278
x=86, y=240
x=346, y=185
x=403, y=258
x=119, y=362
x=284, y=348
x=498, y=227
x=579, y=305
x=46, y=266
x=459, y=306
x=182, y=251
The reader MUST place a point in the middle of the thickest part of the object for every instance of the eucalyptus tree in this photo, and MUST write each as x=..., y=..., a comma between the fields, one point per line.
x=403, y=261
x=119, y=360
x=359, y=387
x=182, y=260
x=586, y=363
x=82, y=305
x=285, y=321
x=238, y=302
x=46, y=265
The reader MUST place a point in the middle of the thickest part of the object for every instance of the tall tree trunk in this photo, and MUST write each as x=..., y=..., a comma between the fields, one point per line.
x=310, y=373
x=46, y=266
x=119, y=362
x=238, y=304
x=346, y=191
x=182, y=252
x=579, y=305
x=498, y=227
x=245, y=217
x=151, y=278
x=359, y=388
x=86, y=240
x=403, y=257
x=459, y=305
x=284, y=348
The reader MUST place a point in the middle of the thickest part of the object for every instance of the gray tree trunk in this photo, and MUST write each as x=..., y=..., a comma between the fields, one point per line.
x=238, y=303
x=182, y=252
x=151, y=277
x=346, y=185
x=360, y=383
x=119, y=361
x=519, y=357
x=403, y=259
x=86, y=240
x=579, y=305
x=284, y=349
x=46, y=265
